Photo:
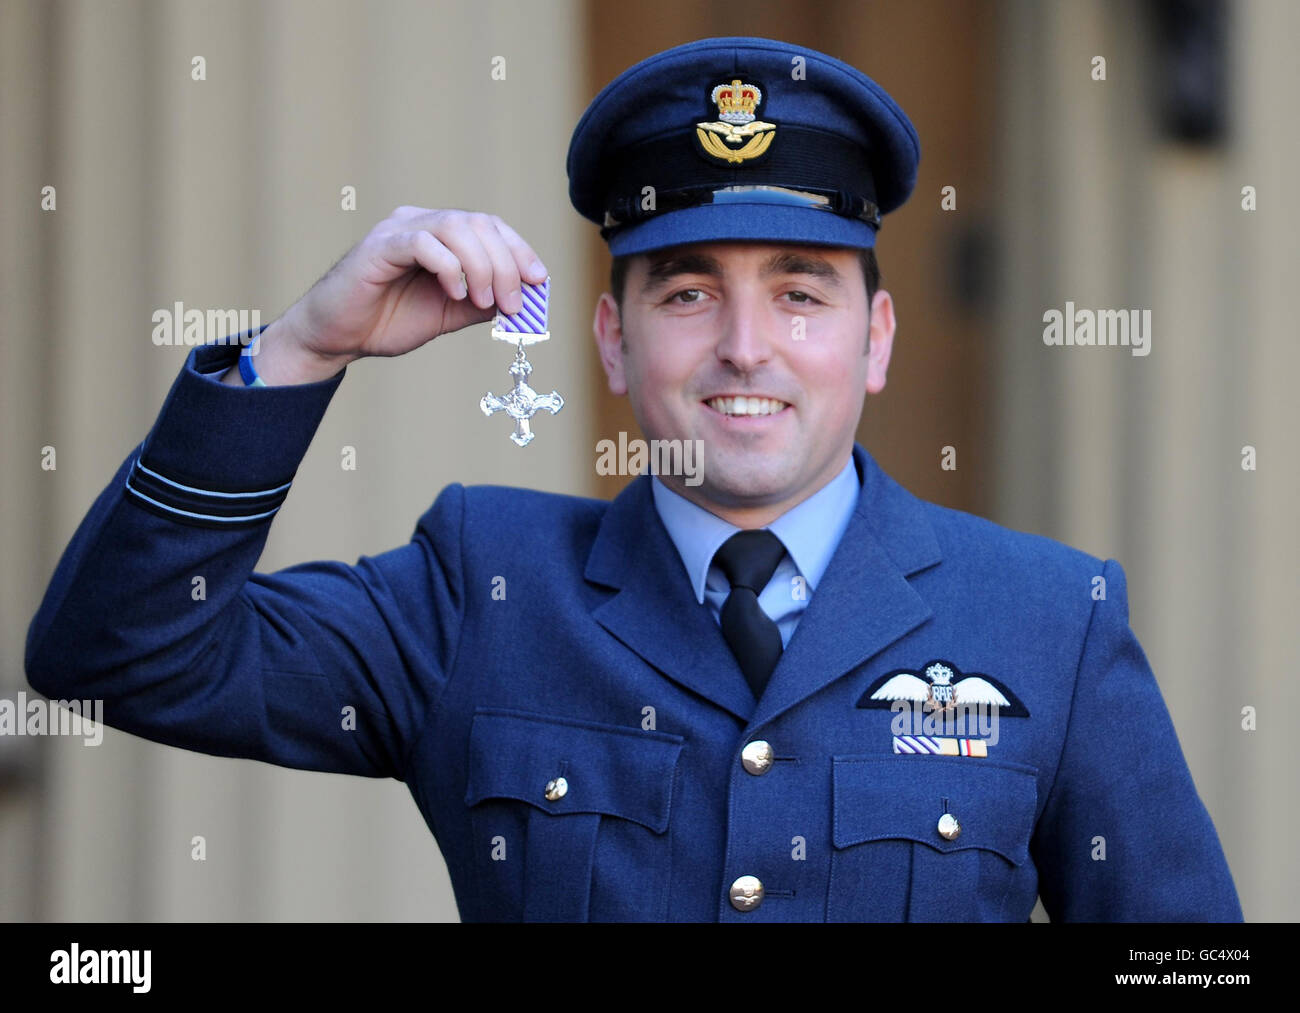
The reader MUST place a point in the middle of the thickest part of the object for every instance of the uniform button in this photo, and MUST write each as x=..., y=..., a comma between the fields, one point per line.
x=949, y=828
x=757, y=757
x=746, y=893
x=556, y=789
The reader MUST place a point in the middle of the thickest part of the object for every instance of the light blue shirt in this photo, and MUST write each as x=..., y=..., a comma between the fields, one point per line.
x=810, y=532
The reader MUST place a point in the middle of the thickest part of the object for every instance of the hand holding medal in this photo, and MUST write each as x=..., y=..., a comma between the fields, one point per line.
x=419, y=273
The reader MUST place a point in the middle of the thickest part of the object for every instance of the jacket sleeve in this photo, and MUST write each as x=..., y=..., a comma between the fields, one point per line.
x=320, y=666
x=1124, y=837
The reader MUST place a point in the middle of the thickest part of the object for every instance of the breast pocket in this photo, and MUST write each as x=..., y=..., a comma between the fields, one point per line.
x=893, y=858
x=570, y=818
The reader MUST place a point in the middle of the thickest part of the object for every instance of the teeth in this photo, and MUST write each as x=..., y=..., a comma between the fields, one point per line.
x=746, y=405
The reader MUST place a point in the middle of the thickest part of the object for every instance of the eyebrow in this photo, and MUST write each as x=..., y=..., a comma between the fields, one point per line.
x=664, y=268
x=801, y=263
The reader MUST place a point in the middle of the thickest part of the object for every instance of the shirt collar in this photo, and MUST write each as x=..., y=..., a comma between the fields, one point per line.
x=809, y=531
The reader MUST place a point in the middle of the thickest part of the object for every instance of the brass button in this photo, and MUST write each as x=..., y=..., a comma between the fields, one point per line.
x=949, y=828
x=556, y=789
x=746, y=893
x=757, y=757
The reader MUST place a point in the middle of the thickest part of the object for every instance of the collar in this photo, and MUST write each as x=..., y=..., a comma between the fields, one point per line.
x=810, y=531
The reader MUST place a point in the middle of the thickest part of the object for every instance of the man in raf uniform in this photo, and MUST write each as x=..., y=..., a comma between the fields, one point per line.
x=788, y=691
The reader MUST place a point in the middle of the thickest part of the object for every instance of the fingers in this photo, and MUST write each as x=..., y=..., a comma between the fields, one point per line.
x=531, y=268
x=503, y=287
x=401, y=250
x=465, y=244
x=492, y=255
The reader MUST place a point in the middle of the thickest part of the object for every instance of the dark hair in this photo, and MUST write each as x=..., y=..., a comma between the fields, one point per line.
x=870, y=271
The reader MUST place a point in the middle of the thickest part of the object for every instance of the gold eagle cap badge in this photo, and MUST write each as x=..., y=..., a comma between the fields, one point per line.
x=737, y=135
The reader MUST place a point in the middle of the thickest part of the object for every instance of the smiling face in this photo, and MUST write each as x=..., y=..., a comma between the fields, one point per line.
x=760, y=351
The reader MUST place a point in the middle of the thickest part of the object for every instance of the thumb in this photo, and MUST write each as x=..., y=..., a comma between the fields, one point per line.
x=462, y=313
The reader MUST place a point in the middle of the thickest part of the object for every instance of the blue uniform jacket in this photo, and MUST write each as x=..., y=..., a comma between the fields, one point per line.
x=592, y=662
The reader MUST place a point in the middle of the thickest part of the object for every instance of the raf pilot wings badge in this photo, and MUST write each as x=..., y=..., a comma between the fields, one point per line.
x=940, y=698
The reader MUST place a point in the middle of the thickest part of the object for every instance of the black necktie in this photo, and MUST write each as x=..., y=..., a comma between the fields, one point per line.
x=749, y=558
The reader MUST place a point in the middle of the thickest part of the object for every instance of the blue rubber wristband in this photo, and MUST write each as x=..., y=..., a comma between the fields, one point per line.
x=246, y=370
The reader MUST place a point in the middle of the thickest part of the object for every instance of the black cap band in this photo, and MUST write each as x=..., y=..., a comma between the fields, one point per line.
x=802, y=162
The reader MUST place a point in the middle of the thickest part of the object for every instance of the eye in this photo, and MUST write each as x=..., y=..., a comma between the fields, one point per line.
x=694, y=292
x=801, y=297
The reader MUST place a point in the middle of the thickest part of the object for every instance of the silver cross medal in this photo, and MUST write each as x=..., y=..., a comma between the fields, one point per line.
x=526, y=327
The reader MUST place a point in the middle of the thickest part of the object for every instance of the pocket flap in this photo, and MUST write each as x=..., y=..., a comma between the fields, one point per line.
x=610, y=769
x=902, y=797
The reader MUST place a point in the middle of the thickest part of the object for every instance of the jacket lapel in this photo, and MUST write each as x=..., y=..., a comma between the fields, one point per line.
x=655, y=612
x=864, y=602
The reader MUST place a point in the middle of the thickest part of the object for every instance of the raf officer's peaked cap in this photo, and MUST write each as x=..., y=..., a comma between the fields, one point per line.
x=741, y=138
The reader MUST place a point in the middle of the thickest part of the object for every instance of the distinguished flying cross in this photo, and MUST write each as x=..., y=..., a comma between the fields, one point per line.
x=526, y=327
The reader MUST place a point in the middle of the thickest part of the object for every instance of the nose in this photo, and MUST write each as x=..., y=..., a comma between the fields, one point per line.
x=746, y=341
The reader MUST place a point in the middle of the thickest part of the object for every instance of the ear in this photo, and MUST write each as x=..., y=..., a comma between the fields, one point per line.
x=880, y=341
x=608, y=328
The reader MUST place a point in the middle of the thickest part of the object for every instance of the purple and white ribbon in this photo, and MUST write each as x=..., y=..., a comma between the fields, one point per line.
x=916, y=744
x=528, y=325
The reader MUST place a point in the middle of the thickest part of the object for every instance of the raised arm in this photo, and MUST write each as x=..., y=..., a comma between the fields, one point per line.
x=155, y=607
